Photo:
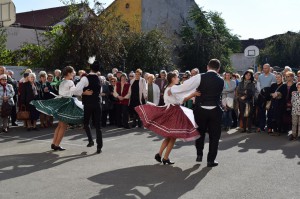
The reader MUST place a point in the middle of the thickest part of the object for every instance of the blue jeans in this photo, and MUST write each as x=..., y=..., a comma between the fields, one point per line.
x=227, y=118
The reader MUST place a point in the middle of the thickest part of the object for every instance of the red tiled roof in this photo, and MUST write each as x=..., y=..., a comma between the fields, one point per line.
x=42, y=18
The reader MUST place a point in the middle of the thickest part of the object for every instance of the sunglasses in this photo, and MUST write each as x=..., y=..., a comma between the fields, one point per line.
x=113, y=81
x=4, y=79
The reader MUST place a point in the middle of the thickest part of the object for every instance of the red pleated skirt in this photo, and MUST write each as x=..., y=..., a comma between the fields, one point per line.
x=168, y=122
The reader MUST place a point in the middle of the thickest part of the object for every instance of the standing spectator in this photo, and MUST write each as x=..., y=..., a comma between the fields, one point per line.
x=29, y=93
x=295, y=113
x=138, y=95
x=288, y=88
x=228, y=94
x=112, y=112
x=162, y=83
x=106, y=100
x=194, y=72
x=146, y=74
x=14, y=83
x=6, y=95
x=121, y=92
x=131, y=76
x=109, y=76
x=255, y=108
x=118, y=75
x=266, y=79
x=276, y=111
x=114, y=71
x=56, y=80
x=285, y=70
x=23, y=80
x=245, y=93
x=50, y=78
x=298, y=76
x=44, y=89
x=153, y=90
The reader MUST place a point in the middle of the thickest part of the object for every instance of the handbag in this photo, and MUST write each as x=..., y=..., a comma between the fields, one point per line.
x=23, y=114
x=227, y=102
x=247, y=110
x=268, y=105
x=5, y=109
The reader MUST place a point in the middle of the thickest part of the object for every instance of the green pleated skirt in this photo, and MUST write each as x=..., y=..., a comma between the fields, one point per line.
x=63, y=109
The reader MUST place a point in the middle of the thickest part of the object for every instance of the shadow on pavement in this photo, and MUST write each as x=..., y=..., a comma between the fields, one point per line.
x=12, y=166
x=260, y=142
x=151, y=181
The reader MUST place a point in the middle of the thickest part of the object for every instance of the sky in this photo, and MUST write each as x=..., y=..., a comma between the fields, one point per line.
x=256, y=19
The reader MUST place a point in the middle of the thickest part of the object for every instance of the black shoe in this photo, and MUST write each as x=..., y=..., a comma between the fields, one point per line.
x=127, y=127
x=90, y=144
x=157, y=157
x=167, y=161
x=98, y=151
x=249, y=131
x=243, y=131
x=29, y=129
x=14, y=124
x=199, y=158
x=58, y=148
x=35, y=129
x=52, y=146
x=212, y=164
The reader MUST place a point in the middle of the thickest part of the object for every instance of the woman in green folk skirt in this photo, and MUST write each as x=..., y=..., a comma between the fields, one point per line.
x=64, y=108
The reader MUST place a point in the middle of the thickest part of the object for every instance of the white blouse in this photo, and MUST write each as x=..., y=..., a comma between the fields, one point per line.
x=173, y=99
x=66, y=88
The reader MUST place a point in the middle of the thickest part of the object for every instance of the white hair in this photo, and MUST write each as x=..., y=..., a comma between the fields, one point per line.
x=57, y=70
x=43, y=73
x=288, y=68
x=32, y=75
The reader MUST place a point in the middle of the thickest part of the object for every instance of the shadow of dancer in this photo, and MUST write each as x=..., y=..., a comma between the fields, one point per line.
x=158, y=181
x=12, y=166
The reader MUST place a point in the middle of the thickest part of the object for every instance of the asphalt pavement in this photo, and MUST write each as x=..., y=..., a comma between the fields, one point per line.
x=251, y=166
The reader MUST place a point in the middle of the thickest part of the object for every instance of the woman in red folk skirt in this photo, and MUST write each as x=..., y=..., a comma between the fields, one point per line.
x=171, y=121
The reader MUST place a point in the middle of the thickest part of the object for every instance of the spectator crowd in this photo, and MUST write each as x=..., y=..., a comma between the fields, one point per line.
x=266, y=101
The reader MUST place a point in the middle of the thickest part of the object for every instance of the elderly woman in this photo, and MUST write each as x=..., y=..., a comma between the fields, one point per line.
x=228, y=95
x=29, y=92
x=245, y=93
x=121, y=92
x=112, y=112
x=276, y=111
x=6, y=95
x=138, y=95
x=44, y=89
x=288, y=88
x=106, y=100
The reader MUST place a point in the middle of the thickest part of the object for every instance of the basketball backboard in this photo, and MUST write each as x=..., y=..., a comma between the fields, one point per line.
x=251, y=51
x=7, y=13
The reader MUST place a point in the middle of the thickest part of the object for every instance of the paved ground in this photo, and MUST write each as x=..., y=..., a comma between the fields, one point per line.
x=251, y=166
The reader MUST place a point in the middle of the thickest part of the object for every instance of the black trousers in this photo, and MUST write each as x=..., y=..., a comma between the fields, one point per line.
x=93, y=111
x=208, y=121
x=122, y=115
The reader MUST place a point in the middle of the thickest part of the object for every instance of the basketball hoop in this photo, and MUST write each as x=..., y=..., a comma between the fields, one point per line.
x=7, y=13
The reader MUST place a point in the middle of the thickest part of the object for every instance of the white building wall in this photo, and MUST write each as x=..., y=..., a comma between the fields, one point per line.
x=16, y=36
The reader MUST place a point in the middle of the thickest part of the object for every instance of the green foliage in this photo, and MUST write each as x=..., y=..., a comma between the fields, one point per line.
x=29, y=55
x=282, y=50
x=205, y=36
x=149, y=51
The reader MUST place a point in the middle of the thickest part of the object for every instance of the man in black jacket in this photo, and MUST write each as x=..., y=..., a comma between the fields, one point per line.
x=207, y=111
x=91, y=104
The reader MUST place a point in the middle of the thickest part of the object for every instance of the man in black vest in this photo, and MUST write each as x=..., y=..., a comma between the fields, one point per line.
x=92, y=104
x=207, y=111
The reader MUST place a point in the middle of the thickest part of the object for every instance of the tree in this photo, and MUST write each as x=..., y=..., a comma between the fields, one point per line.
x=149, y=51
x=282, y=50
x=85, y=34
x=205, y=36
